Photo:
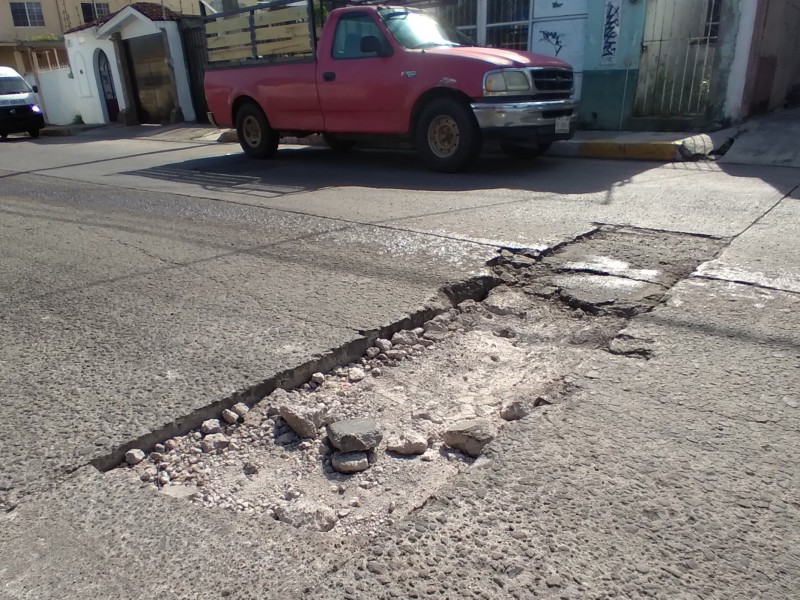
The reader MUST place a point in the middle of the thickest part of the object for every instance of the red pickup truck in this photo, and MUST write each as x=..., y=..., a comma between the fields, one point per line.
x=380, y=70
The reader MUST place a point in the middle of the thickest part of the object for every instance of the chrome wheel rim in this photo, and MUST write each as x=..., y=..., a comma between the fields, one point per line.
x=251, y=130
x=443, y=136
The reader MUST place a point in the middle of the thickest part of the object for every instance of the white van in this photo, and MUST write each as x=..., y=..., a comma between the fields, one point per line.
x=19, y=106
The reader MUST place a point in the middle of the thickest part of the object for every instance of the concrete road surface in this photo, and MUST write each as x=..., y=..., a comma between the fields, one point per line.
x=145, y=281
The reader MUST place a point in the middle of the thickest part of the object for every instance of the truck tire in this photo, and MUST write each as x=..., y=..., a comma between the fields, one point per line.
x=34, y=133
x=338, y=144
x=256, y=137
x=447, y=136
x=523, y=152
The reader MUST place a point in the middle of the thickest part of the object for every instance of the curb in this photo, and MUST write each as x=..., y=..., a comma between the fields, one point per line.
x=609, y=149
x=694, y=147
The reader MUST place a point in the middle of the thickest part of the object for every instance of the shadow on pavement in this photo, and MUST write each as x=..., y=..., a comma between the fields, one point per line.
x=299, y=170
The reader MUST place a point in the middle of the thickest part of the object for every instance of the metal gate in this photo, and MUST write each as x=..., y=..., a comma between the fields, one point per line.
x=194, y=49
x=152, y=85
x=678, y=51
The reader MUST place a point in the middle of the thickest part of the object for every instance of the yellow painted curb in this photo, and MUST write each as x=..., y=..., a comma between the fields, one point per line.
x=662, y=151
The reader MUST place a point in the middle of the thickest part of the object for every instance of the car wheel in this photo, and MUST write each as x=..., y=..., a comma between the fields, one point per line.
x=448, y=137
x=34, y=133
x=336, y=143
x=523, y=152
x=257, y=138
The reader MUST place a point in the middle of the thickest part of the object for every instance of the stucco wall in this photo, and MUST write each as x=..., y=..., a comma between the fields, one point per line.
x=83, y=49
x=609, y=85
x=775, y=56
x=57, y=90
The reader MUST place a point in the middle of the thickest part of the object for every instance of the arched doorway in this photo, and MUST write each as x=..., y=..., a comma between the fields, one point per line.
x=107, y=85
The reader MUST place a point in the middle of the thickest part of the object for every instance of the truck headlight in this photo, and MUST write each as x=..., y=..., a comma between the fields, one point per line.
x=35, y=108
x=506, y=81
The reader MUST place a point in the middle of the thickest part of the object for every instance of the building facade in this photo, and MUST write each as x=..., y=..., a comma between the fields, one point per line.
x=31, y=33
x=653, y=64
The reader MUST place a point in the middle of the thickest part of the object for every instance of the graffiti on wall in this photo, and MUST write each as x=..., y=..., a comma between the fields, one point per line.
x=611, y=21
x=554, y=39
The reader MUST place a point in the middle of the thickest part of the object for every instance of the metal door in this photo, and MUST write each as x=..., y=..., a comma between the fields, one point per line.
x=107, y=84
x=678, y=50
x=194, y=48
x=152, y=84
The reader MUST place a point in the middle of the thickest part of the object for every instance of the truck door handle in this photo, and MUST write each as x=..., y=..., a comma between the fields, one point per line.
x=329, y=76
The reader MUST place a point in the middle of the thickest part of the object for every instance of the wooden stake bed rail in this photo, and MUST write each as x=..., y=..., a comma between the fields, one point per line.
x=269, y=31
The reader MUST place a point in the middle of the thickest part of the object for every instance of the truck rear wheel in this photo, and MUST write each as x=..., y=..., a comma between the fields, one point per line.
x=448, y=137
x=256, y=137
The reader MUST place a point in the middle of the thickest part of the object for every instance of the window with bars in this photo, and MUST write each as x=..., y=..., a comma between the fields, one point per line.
x=27, y=14
x=463, y=16
x=92, y=11
x=711, y=29
x=507, y=23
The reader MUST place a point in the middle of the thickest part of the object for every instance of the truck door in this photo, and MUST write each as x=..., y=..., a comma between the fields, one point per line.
x=361, y=92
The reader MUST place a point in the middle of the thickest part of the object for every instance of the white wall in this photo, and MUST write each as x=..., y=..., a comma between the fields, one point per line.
x=180, y=70
x=82, y=50
x=58, y=93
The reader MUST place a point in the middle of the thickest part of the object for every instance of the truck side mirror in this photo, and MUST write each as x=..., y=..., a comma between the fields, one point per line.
x=370, y=44
x=35, y=89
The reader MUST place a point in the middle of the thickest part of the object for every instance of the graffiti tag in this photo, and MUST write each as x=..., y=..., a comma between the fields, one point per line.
x=611, y=22
x=554, y=39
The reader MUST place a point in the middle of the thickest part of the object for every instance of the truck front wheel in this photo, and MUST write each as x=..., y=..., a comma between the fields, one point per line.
x=257, y=138
x=448, y=137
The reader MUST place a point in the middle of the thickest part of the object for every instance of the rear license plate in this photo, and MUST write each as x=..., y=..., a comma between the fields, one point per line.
x=562, y=125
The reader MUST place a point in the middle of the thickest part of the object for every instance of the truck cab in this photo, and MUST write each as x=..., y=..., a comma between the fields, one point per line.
x=19, y=106
x=395, y=71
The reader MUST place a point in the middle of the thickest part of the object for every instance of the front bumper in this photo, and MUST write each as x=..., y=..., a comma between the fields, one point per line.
x=533, y=122
x=15, y=119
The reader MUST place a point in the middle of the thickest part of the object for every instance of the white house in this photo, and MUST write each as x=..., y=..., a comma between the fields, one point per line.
x=130, y=66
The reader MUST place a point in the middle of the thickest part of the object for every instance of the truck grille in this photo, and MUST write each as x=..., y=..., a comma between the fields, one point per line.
x=552, y=80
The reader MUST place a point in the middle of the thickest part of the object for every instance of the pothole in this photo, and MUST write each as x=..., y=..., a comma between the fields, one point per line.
x=356, y=448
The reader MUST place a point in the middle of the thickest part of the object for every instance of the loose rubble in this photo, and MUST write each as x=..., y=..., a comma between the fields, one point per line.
x=470, y=436
x=354, y=449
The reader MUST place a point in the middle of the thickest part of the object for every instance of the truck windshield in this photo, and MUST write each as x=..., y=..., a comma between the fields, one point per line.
x=415, y=30
x=13, y=85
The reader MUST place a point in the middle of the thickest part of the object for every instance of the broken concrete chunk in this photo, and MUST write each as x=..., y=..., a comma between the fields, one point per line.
x=211, y=426
x=217, y=440
x=373, y=352
x=350, y=462
x=253, y=418
x=504, y=300
x=470, y=436
x=240, y=408
x=383, y=345
x=405, y=338
x=318, y=378
x=355, y=374
x=304, y=420
x=515, y=410
x=134, y=457
x=408, y=443
x=229, y=416
x=353, y=435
